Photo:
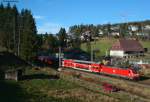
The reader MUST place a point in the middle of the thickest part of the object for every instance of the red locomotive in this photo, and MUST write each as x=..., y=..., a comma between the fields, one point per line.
x=128, y=73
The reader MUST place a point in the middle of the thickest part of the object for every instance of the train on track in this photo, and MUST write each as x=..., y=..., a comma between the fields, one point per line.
x=127, y=73
x=45, y=60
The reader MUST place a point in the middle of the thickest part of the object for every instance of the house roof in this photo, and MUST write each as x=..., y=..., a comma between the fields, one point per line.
x=127, y=45
x=9, y=61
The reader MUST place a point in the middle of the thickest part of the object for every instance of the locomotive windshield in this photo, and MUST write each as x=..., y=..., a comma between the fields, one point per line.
x=135, y=67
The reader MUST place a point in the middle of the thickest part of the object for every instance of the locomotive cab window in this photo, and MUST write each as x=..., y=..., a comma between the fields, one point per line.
x=134, y=71
x=129, y=71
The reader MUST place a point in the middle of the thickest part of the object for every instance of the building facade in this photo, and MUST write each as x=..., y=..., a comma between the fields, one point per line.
x=126, y=48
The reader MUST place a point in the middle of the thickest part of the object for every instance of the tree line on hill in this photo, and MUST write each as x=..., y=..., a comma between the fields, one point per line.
x=87, y=33
x=139, y=29
x=73, y=38
x=51, y=42
x=18, y=32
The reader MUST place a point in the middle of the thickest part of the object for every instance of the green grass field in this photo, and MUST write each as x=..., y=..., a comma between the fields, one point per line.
x=146, y=44
x=105, y=44
x=36, y=89
x=102, y=45
x=44, y=89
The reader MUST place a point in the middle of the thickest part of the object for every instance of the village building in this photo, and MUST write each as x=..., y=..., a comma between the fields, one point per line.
x=133, y=28
x=100, y=32
x=12, y=70
x=86, y=36
x=126, y=48
x=115, y=33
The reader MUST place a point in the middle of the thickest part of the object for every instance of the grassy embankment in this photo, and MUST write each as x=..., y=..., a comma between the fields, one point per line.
x=105, y=44
x=39, y=87
x=102, y=45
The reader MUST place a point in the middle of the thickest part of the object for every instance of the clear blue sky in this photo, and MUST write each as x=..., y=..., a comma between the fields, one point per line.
x=50, y=15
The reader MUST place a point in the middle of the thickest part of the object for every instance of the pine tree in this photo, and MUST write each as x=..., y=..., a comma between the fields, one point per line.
x=62, y=36
x=28, y=35
x=18, y=31
x=16, y=28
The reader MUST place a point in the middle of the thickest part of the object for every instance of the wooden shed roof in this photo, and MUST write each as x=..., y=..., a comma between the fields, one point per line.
x=127, y=45
x=9, y=61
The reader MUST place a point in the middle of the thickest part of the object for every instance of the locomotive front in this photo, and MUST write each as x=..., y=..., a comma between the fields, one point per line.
x=134, y=74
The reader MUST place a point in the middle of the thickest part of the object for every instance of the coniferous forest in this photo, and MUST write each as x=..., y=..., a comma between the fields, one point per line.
x=18, y=32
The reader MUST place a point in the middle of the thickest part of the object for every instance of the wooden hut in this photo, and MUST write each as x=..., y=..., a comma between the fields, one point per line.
x=11, y=66
x=13, y=74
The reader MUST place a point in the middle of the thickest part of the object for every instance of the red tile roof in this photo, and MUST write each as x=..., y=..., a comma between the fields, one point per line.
x=127, y=45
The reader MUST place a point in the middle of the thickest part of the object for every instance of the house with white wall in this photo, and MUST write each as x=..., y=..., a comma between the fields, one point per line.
x=126, y=48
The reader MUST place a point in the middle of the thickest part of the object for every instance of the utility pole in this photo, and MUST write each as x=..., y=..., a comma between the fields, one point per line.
x=91, y=52
x=59, y=56
x=20, y=27
x=18, y=47
x=124, y=18
x=142, y=28
x=14, y=35
x=92, y=48
x=89, y=45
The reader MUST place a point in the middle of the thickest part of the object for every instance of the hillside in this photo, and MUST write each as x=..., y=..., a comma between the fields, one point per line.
x=105, y=44
x=140, y=29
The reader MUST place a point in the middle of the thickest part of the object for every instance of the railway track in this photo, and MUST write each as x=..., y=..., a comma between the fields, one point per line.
x=143, y=83
x=139, y=88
